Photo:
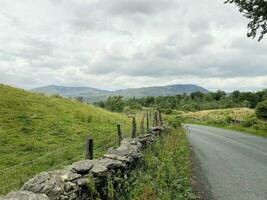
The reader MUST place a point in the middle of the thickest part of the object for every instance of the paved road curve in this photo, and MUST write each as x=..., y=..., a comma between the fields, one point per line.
x=233, y=164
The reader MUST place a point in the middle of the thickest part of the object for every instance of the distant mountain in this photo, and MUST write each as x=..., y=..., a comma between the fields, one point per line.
x=93, y=94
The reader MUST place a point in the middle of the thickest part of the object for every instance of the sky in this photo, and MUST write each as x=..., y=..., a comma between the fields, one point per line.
x=115, y=44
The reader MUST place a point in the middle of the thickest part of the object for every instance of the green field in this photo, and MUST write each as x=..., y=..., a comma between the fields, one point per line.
x=39, y=133
x=241, y=119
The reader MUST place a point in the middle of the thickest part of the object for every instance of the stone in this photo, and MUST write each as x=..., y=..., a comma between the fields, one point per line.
x=124, y=159
x=50, y=183
x=24, y=195
x=65, y=175
x=82, y=167
x=112, y=164
x=99, y=169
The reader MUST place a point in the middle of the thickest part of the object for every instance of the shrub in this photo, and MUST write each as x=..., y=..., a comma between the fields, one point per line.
x=191, y=107
x=261, y=110
x=175, y=121
x=57, y=96
x=167, y=111
x=249, y=122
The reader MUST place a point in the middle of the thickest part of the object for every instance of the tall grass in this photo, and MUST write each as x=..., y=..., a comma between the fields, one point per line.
x=39, y=133
x=241, y=119
x=164, y=173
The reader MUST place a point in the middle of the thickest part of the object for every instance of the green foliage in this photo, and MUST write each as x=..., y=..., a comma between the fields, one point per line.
x=92, y=187
x=256, y=12
x=115, y=103
x=40, y=133
x=194, y=102
x=165, y=172
x=191, y=107
x=175, y=121
x=243, y=119
x=261, y=110
x=80, y=99
x=110, y=188
x=57, y=96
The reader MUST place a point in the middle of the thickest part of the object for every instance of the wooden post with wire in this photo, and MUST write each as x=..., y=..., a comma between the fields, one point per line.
x=89, y=148
x=119, y=133
x=155, y=120
x=147, y=121
x=143, y=125
x=160, y=118
x=133, y=128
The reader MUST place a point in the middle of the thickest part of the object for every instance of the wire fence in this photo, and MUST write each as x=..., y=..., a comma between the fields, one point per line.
x=58, y=158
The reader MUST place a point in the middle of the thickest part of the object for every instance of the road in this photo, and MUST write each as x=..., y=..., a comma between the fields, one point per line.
x=230, y=165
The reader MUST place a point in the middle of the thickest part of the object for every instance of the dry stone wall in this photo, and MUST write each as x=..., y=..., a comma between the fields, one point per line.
x=73, y=182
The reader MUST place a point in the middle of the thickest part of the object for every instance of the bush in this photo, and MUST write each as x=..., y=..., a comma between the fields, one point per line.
x=175, y=121
x=167, y=111
x=261, y=110
x=249, y=122
x=57, y=96
x=191, y=107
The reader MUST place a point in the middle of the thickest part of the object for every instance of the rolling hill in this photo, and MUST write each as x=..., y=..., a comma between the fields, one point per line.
x=93, y=95
x=40, y=133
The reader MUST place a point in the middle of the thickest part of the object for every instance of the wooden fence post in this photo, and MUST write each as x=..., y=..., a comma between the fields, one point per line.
x=160, y=118
x=147, y=121
x=119, y=133
x=155, y=120
x=89, y=148
x=133, y=128
x=143, y=125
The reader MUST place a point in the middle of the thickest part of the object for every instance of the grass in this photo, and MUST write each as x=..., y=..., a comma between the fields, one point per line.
x=165, y=172
x=240, y=119
x=39, y=133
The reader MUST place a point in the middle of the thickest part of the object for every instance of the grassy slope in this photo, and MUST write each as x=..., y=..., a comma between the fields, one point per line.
x=220, y=117
x=165, y=172
x=48, y=131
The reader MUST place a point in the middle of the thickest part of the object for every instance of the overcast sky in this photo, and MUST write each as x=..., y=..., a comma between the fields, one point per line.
x=113, y=44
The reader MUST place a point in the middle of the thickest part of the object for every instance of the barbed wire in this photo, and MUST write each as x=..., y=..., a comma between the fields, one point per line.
x=18, y=167
x=31, y=176
x=37, y=159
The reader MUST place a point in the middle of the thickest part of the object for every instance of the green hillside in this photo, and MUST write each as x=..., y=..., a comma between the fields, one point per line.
x=94, y=95
x=39, y=133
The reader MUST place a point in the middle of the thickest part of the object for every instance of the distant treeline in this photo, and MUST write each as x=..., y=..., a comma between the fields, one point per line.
x=193, y=102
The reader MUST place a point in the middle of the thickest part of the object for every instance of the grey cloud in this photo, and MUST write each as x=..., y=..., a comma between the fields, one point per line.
x=113, y=43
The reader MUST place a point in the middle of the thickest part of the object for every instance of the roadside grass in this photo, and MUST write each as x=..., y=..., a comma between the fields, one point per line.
x=40, y=133
x=165, y=172
x=240, y=119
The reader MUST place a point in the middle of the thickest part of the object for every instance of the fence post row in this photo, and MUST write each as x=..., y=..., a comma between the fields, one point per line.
x=147, y=121
x=160, y=118
x=119, y=133
x=143, y=124
x=89, y=148
x=133, y=128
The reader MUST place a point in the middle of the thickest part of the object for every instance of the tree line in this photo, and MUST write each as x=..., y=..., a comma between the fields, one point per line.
x=195, y=101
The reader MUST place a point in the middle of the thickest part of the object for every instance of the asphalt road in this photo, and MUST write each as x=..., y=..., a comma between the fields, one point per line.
x=230, y=165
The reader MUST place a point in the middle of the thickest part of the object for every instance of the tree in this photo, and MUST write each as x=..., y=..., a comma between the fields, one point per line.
x=261, y=110
x=256, y=12
x=80, y=99
x=219, y=95
x=236, y=95
x=197, y=96
x=115, y=103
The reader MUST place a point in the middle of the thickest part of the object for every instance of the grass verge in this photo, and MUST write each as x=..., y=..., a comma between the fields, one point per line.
x=165, y=172
x=234, y=127
x=240, y=119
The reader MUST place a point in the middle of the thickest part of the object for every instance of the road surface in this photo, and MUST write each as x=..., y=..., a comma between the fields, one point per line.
x=231, y=165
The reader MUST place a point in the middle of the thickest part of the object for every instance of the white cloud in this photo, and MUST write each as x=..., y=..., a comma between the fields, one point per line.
x=119, y=44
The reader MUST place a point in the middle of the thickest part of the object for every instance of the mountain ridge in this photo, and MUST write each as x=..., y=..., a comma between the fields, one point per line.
x=91, y=94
